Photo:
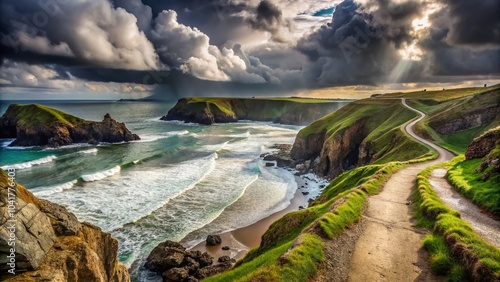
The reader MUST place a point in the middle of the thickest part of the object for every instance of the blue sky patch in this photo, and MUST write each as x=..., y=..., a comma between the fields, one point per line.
x=324, y=12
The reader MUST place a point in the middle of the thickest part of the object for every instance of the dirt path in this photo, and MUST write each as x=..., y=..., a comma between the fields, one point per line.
x=485, y=226
x=390, y=247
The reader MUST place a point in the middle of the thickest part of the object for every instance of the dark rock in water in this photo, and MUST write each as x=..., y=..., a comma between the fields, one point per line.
x=269, y=164
x=225, y=248
x=213, y=240
x=322, y=186
x=175, y=274
x=37, y=125
x=305, y=193
x=224, y=259
x=301, y=207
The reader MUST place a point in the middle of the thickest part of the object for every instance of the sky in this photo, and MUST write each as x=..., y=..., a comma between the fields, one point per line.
x=112, y=49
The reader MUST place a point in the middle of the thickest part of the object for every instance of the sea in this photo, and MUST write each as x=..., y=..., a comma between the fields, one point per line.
x=180, y=182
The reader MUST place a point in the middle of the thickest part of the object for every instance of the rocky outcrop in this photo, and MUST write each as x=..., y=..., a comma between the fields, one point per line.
x=37, y=125
x=174, y=263
x=486, y=146
x=482, y=146
x=224, y=110
x=332, y=156
x=49, y=244
x=478, y=110
x=446, y=124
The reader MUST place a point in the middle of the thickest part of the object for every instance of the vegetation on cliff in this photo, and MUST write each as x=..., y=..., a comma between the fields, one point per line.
x=457, y=116
x=364, y=132
x=51, y=245
x=292, y=248
x=221, y=110
x=477, y=174
x=38, y=125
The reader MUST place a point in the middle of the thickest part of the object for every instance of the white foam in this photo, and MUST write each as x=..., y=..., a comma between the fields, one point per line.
x=179, y=122
x=90, y=151
x=101, y=175
x=6, y=142
x=152, y=138
x=113, y=202
x=29, y=164
x=49, y=190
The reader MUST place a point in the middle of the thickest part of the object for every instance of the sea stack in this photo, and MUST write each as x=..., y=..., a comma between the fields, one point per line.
x=38, y=125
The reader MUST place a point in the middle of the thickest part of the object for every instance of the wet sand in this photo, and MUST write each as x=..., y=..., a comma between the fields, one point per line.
x=241, y=240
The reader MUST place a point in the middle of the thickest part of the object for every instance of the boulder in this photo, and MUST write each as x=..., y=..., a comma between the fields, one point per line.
x=175, y=274
x=213, y=240
x=224, y=259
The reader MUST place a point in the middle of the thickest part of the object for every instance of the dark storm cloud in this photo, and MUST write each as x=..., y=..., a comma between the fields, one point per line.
x=360, y=46
x=473, y=22
x=197, y=40
x=268, y=17
x=362, y=43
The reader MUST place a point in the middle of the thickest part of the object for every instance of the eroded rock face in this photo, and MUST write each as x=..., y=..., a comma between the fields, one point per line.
x=172, y=261
x=482, y=146
x=50, y=131
x=467, y=120
x=51, y=245
x=330, y=157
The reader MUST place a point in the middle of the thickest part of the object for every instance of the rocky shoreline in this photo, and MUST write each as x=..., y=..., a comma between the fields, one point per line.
x=50, y=243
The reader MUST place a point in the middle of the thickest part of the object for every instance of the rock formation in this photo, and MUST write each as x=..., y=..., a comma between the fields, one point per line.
x=486, y=146
x=37, y=125
x=174, y=263
x=49, y=244
x=224, y=110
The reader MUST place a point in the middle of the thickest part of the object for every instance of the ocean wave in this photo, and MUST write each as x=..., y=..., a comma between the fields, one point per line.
x=49, y=190
x=29, y=164
x=6, y=142
x=101, y=175
x=152, y=138
x=178, y=122
x=90, y=151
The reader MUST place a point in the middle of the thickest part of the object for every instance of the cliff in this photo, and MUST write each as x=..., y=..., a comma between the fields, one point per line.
x=363, y=132
x=487, y=147
x=455, y=120
x=42, y=241
x=222, y=110
x=37, y=125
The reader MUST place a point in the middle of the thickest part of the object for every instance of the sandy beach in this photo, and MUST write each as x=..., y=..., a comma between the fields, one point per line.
x=241, y=240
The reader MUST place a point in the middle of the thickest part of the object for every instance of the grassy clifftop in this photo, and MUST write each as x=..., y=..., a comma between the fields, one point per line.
x=38, y=114
x=364, y=132
x=220, y=110
x=456, y=119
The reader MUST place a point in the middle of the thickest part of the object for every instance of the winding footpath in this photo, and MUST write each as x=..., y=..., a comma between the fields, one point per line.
x=390, y=247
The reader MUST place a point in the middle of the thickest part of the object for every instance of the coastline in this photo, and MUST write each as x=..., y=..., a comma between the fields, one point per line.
x=241, y=240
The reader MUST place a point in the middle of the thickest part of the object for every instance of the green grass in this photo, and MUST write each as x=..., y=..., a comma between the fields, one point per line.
x=479, y=259
x=33, y=114
x=441, y=112
x=328, y=217
x=440, y=258
x=463, y=176
x=442, y=95
x=384, y=120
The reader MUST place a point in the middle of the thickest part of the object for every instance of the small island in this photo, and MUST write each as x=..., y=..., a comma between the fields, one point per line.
x=38, y=125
